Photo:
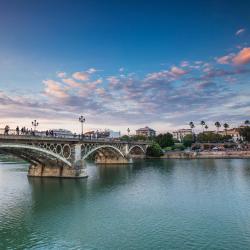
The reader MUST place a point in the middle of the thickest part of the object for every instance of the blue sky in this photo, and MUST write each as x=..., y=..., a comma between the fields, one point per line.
x=124, y=63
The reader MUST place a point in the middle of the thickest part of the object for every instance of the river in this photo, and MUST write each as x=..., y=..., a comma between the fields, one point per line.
x=152, y=204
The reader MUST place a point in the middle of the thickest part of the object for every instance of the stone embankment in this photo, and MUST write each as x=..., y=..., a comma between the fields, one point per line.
x=207, y=155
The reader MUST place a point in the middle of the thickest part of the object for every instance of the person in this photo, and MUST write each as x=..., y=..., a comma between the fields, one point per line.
x=17, y=130
x=6, y=130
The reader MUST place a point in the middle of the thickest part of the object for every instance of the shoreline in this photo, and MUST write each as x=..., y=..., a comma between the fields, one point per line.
x=207, y=155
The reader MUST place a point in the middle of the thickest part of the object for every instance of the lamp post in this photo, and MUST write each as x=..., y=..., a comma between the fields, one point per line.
x=128, y=131
x=35, y=124
x=82, y=120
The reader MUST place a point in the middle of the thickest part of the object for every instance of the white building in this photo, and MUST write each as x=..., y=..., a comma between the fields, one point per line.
x=147, y=132
x=181, y=133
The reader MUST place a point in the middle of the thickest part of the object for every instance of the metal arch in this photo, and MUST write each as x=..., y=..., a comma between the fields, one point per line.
x=102, y=146
x=134, y=146
x=22, y=146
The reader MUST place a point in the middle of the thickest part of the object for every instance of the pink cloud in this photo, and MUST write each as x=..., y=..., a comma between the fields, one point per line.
x=240, y=31
x=61, y=74
x=225, y=59
x=184, y=63
x=178, y=71
x=81, y=76
x=53, y=88
x=71, y=82
x=243, y=57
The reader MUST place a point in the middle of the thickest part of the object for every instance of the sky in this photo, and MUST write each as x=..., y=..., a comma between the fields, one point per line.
x=124, y=64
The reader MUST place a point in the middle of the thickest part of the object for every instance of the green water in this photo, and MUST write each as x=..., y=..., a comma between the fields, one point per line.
x=154, y=204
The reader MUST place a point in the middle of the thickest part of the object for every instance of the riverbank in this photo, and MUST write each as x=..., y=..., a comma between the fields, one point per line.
x=207, y=155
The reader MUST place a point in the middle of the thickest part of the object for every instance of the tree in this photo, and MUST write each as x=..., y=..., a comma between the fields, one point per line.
x=165, y=140
x=188, y=140
x=206, y=127
x=154, y=150
x=226, y=126
x=217, y=125
x=247, y=122
x=191, y=124
x=245, y=133
x=203, y=124
x=212, y=137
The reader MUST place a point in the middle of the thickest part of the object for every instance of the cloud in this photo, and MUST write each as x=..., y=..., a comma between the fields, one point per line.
x=239, y=32
x=166, y=76
x=225, y=59
x=61, y=74
x=184, y=64
x=91, y=70
x=178, y=71
x=81, y=76
x=54, y=89
x=72, y=83
x=243, y=57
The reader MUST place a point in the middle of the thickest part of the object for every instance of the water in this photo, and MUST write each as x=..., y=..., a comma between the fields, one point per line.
x=154, y=204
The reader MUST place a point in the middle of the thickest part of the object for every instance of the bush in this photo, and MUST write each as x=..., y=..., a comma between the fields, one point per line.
x=179, y=146
x=188, y=140
x=154, y=150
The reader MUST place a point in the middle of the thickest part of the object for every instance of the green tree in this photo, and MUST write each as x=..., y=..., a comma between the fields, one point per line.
x=188, y=140
x=165, y=140
x=154, y=150
x=212, y=137
x=247, y=122
x=245, y=133
x=125, y=138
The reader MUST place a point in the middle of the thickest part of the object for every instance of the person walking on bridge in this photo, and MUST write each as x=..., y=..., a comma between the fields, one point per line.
x=17, y=130
x=6, y=130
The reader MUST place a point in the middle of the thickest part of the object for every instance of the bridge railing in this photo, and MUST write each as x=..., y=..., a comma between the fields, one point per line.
x=13, y=134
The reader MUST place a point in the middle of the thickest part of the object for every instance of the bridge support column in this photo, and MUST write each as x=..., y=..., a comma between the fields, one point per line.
x=77, y=171
x=112, y=160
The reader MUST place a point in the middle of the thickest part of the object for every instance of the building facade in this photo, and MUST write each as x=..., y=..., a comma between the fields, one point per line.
x=181, y=133
x=147, y=132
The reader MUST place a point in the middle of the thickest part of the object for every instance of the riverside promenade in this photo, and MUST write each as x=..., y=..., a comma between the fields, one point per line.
x=229, y=154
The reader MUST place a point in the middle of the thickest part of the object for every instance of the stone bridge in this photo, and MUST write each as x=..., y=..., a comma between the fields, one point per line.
x=65, y=157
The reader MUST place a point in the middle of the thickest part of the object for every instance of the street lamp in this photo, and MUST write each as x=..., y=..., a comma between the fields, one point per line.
x=82, y=120
x=128, y=131
x=35, y=124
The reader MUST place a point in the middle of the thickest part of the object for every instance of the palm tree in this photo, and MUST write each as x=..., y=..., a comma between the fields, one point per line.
x=206, y=127
x=203, y=124
x=247, y=122
x=217, y=125
x=226, y=126
x=191, y=124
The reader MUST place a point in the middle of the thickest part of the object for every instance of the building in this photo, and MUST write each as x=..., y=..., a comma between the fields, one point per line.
x=102, y=134
x=114, y=134
x=233, y=132
x=147, y=132
x=181, y=133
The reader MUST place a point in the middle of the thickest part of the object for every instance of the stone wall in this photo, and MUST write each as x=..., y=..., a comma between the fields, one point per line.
x=207, y=155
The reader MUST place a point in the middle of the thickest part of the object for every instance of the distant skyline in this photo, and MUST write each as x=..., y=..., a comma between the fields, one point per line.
x=124, y=63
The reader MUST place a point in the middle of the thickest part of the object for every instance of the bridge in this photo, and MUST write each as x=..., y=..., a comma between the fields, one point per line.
x=65, y=157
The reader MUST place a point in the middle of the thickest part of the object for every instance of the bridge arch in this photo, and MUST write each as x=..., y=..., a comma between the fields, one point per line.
x=137, y=146
x=18, y=150
x=118, y=151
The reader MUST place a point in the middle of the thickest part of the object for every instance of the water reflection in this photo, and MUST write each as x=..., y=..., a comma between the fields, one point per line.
x=156, y=204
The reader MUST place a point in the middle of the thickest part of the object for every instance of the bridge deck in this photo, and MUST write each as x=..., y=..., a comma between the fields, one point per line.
x=19, y=138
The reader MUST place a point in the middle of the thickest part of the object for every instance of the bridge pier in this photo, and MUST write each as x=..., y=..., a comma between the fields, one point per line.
x=77, y=171
x=112, y=160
